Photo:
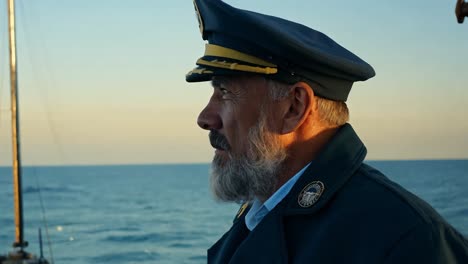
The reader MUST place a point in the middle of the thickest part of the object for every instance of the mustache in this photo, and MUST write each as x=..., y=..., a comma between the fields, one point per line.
x=218, y=141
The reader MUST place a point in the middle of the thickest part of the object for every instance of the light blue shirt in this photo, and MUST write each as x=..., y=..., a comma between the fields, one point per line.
x=259, y=210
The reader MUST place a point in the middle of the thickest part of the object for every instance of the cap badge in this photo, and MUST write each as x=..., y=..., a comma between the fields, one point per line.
x=310, y=194
x=199, y=18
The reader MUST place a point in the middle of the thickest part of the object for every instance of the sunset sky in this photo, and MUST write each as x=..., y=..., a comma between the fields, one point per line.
x=103, y=81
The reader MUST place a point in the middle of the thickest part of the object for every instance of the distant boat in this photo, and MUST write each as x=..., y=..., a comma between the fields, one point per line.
x=18, y=255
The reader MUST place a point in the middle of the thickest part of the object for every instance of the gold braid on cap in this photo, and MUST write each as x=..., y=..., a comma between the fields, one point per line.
x=263, y=67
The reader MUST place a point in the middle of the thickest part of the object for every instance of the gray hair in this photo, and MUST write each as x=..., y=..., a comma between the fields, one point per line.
x=333, y=113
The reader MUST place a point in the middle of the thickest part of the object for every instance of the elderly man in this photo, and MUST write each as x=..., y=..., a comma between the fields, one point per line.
x=278, y=121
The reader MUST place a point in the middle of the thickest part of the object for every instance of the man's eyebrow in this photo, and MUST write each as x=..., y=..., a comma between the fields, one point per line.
x=215, y=83
x=218, y=82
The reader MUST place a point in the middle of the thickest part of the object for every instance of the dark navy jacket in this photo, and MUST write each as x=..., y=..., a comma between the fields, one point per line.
x=361, y=217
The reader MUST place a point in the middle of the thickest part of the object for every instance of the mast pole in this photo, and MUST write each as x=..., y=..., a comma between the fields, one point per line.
x=15, y=130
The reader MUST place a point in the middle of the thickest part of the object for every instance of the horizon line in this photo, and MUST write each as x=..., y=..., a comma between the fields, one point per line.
x=206, y=163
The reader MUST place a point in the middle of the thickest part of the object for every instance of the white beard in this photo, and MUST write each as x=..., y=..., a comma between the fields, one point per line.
x=241, y=178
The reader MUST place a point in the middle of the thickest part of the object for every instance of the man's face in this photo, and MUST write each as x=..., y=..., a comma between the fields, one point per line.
x=248, y=155
x=232, y=110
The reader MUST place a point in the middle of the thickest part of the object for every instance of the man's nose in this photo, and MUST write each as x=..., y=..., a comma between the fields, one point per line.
x=209, y=118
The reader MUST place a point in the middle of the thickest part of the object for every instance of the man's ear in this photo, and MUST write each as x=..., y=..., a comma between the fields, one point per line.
x=300, y=105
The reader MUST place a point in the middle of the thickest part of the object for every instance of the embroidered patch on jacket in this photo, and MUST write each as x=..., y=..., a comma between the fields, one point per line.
x=310, y=194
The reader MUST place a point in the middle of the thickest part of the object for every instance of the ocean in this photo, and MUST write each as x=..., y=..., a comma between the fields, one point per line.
x=166, y=213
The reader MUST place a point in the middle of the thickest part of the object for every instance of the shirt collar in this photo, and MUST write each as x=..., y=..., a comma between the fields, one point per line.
x=259, y=210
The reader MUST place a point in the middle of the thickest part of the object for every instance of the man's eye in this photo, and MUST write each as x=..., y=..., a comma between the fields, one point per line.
x=223, y=91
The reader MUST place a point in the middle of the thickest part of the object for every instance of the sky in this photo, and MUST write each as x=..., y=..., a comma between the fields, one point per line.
x=103, y=82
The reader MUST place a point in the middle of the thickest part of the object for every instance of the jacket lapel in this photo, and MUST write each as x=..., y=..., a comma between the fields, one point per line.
x=265, y=244
x=222, y=250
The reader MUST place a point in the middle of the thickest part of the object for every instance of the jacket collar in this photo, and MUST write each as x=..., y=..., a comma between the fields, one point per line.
x=337, y=162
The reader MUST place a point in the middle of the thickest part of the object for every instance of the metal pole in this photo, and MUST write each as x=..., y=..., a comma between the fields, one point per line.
x=15, y=130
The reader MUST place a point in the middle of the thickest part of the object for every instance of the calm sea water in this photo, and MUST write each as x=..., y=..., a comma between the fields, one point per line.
x=165, y=213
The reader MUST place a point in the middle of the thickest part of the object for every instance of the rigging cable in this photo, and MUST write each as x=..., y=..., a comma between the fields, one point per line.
x=3, y=35
x=49, y=82
x=44, y=218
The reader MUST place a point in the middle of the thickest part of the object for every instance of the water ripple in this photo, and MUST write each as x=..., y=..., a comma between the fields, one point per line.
x=198, y=258
x=181, y=245
x=152, y=237
x=106, y=229
x=32, y=189
x=134, y=238
x=125, y=257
